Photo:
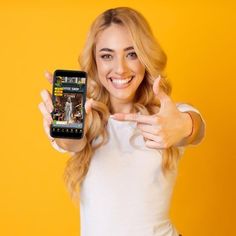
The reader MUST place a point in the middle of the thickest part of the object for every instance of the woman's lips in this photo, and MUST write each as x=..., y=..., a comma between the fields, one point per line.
x=120, y=83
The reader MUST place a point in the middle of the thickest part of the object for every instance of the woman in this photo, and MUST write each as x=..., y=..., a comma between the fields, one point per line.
x=125, y=167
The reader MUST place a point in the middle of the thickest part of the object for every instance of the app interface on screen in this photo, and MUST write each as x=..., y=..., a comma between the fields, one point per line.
x=68, y=104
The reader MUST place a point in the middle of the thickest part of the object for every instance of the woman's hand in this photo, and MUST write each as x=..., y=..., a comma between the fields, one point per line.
x=164, y=129
x=46, y=107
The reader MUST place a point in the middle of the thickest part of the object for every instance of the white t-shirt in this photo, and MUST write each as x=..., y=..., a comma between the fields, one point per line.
x=125, y=192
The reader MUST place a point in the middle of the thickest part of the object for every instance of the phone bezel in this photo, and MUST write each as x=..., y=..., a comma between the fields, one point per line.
x=69, y=73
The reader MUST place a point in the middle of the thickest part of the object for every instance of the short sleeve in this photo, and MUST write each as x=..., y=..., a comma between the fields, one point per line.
x=183, y=107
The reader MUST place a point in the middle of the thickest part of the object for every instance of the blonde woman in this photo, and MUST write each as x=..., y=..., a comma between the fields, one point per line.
x=123, y=171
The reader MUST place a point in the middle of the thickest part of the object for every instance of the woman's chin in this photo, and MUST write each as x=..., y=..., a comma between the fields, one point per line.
x=122, y=97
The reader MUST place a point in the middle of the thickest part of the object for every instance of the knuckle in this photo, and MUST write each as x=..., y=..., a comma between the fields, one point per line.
x=46, y=122
x=48, y=101
x=159, y=139
x=48, y=108
x=134, y=116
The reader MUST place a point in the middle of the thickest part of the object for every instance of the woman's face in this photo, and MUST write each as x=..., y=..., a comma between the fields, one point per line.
x=119, y=68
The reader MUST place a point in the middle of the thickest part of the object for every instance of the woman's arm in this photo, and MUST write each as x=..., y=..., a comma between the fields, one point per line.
x=171, y=125
x=61, y=145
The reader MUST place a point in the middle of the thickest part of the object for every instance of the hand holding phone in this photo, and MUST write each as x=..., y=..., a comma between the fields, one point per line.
x=46, y=107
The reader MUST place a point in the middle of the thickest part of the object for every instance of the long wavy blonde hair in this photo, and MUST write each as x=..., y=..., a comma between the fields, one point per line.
x=151, y=56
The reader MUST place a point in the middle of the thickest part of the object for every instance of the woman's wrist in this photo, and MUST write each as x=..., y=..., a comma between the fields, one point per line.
x=69, y=145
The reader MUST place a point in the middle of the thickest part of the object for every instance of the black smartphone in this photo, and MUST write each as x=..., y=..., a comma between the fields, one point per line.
x=68, y=98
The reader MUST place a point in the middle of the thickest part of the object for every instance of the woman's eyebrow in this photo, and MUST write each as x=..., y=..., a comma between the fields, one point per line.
x=111, y=50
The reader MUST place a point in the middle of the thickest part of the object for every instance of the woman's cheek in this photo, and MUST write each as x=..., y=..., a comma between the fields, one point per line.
x=136, y=66
x=103, y=67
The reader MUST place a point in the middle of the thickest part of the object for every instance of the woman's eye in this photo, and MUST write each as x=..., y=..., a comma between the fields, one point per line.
x=106, y=57
x=132, y=55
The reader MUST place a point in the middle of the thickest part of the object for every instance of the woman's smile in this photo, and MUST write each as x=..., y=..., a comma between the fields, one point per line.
x=120, y=83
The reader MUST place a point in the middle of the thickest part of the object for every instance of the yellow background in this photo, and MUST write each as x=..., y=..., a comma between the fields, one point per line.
x=199, y=39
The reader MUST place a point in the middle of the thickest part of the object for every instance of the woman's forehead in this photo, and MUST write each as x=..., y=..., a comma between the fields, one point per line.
x=115, y=37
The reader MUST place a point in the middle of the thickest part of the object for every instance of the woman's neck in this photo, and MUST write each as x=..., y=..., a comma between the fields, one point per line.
x=119, y=106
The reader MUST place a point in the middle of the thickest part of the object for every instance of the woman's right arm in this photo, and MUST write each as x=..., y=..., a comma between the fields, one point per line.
x=61, y=145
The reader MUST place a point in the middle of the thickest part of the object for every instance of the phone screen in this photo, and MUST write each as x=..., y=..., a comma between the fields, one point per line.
x=69, y=95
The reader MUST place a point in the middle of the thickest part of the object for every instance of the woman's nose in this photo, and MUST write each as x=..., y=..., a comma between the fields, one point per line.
x=121, y=66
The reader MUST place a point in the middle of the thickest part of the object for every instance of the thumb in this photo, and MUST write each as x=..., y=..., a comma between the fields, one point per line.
x=159, y=93
x=88, y=105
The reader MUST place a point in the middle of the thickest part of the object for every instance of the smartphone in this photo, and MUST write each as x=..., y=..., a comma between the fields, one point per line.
x=68, y=98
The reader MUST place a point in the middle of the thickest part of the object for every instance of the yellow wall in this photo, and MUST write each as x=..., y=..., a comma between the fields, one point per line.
x=199, y=38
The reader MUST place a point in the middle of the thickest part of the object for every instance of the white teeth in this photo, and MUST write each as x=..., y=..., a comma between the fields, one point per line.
x=121, y=81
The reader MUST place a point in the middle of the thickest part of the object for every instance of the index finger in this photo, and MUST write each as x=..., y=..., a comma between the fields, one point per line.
x=46, y=96
x=148, y=119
